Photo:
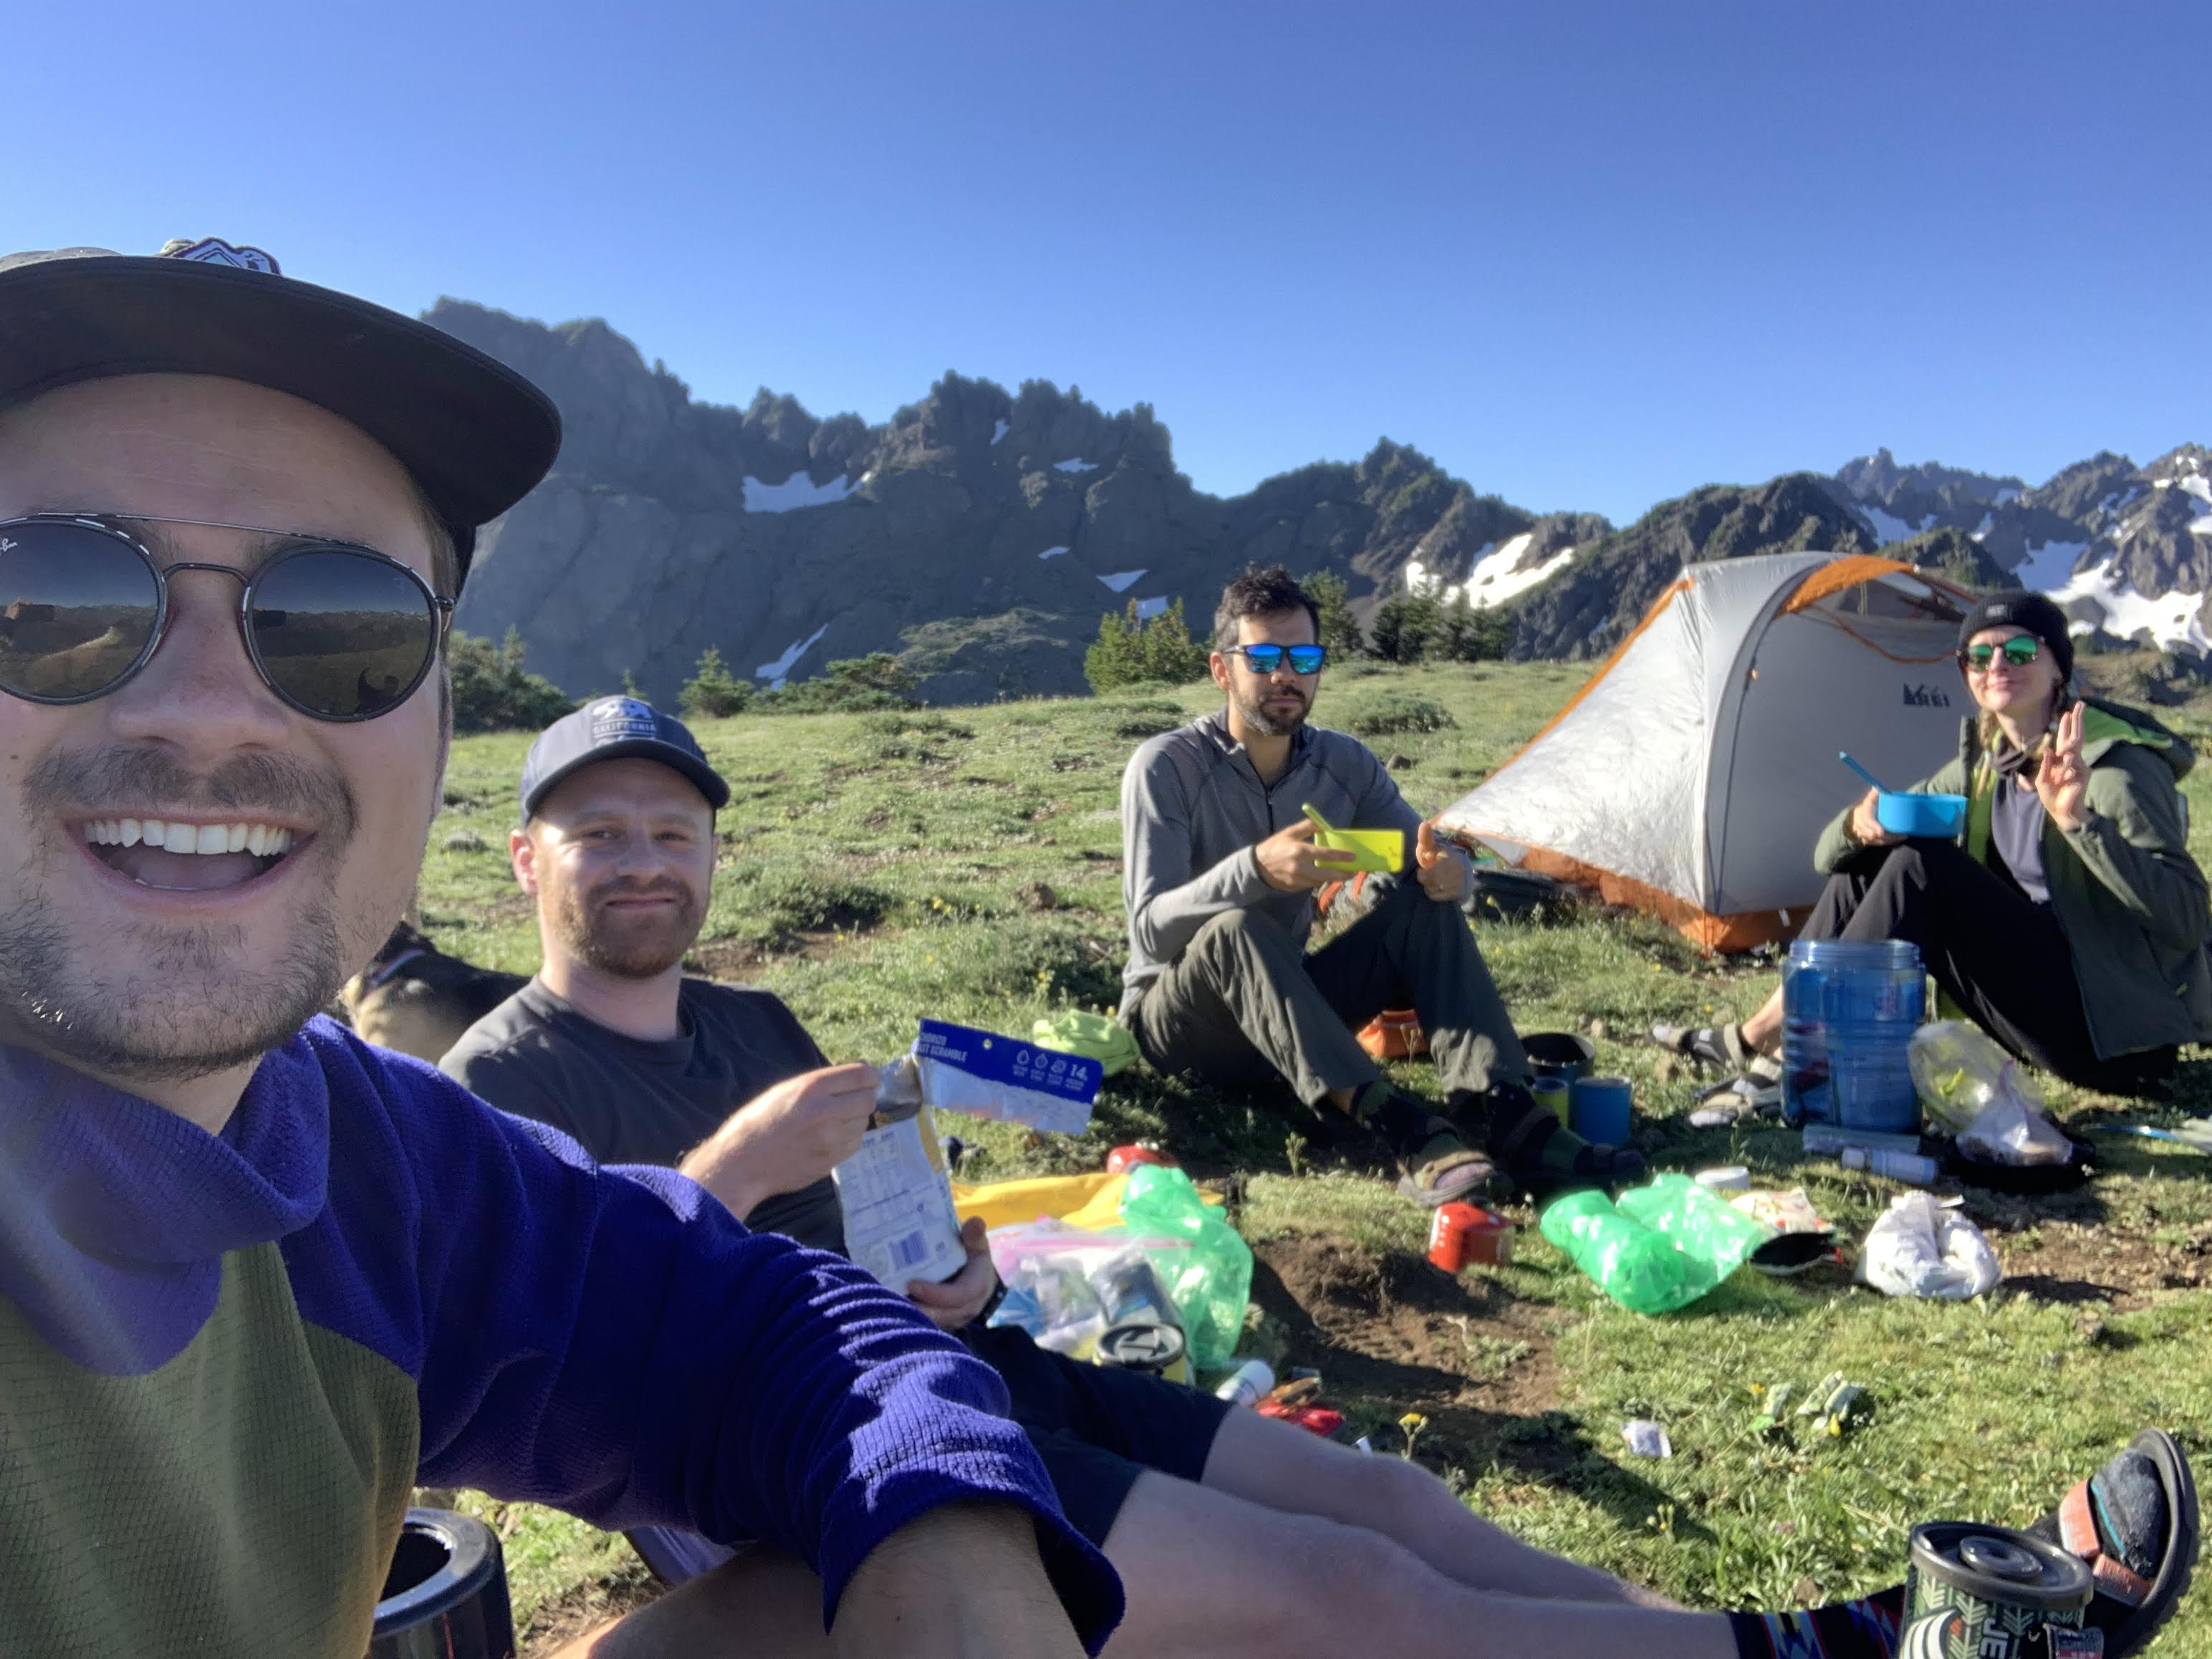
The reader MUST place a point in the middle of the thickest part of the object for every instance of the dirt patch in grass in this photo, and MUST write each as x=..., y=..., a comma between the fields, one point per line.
x=2118, y=1266
x=1391, y=1333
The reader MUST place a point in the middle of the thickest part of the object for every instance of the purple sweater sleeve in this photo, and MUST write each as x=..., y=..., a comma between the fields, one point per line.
x=613, y=1343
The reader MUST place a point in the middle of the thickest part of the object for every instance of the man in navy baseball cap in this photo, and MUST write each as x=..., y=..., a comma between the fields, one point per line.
x=616, y=729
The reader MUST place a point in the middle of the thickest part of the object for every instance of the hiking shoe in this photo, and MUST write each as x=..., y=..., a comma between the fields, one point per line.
x=1532, y=1149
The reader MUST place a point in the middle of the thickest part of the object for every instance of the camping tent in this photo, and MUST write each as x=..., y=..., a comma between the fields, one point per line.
x=1692, y=774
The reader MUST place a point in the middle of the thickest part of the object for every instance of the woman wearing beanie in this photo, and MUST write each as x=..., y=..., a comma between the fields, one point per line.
x=2068, y=919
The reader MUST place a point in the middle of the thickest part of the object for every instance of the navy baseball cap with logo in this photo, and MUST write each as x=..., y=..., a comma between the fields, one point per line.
x=472, y=433
x=615, y=728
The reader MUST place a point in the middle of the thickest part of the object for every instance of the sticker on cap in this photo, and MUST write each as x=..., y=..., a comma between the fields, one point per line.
x=214, y=250
x=617, y=719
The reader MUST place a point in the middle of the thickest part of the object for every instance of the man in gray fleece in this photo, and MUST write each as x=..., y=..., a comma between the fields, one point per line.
x=1219, y=874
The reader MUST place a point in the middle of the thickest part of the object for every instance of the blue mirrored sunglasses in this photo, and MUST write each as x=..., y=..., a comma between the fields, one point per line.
x=1266, y=658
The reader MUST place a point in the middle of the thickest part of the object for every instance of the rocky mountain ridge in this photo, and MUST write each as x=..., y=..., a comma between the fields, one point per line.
x=2126, y=550
x=981, y=533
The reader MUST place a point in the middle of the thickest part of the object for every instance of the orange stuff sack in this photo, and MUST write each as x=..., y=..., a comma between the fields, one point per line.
x=1393, y=1034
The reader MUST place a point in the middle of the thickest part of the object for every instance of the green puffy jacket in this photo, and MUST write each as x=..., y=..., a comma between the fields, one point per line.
x=2131, y=902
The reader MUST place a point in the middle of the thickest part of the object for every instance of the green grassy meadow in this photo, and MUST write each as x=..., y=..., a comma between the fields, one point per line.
x=965, y=864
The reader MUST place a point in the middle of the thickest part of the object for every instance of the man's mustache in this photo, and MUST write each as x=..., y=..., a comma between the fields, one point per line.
x=660, y=887
x=122, y=777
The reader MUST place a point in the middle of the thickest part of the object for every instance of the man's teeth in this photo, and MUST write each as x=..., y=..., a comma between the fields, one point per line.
x=262, y=840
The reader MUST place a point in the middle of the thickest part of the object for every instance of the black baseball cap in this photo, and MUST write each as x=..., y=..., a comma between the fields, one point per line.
x=475, y=435
x=612, y=728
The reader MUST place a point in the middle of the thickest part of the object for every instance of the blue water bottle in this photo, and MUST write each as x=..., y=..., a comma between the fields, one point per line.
x=1848, y=1010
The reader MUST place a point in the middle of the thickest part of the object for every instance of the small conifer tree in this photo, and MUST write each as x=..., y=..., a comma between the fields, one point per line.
x=713, y=692
x=1167, y=653
x=1338, y=628
x=1116, y=658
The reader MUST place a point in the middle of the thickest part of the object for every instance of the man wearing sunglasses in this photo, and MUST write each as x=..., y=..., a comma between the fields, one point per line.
x=2067, y=918
x=1219, y=878
x=245, y=1292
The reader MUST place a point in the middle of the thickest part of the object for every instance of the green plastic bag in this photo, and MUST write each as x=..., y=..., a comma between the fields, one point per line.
x=1661, y=1247
x=1075, y=1031
x=1212, y=1280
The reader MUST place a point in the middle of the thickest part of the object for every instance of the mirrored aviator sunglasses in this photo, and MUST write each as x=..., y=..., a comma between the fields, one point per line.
x=337, y=632
x=2018, y=651
x=1266, y=658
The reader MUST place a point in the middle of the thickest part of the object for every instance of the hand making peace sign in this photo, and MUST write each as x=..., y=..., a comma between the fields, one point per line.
x=2062, y=779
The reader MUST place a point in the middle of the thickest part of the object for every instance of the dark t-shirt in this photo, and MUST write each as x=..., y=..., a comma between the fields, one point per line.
x=627, y=1101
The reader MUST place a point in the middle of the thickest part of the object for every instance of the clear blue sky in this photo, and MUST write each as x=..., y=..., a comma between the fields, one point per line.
x=1586, y=255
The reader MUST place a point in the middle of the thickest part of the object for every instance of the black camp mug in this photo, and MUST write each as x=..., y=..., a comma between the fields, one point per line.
x=444, y=1596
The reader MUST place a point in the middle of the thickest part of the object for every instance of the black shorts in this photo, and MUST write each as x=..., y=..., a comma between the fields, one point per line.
x=1096, y=1427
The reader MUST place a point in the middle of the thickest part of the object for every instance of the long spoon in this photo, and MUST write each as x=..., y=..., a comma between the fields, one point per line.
x=1844, y=755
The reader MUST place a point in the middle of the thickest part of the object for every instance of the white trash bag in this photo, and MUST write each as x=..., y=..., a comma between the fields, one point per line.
x=1918, y=1248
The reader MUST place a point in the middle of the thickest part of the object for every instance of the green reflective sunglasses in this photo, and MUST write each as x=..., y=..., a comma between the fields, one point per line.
x=2018, y=651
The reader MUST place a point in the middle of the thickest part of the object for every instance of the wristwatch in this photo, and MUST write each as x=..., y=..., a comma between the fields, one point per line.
x=990, y=1306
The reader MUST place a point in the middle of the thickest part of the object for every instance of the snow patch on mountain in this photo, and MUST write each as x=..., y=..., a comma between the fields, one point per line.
x=778, y=671
x=796, y=491
x=2048, y=566
x=2171, y=618
x=1887, y=527
x=1075, y=466
x=1122, y=581
x=1492, y=579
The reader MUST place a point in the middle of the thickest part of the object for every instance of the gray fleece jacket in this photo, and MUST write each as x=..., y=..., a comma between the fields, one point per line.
x=1192, y=810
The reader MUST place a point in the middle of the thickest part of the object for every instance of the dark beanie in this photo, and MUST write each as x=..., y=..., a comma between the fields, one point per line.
x=2030, y=612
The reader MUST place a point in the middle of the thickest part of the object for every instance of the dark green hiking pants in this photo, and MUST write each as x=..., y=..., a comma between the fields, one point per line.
x=1243, y=1005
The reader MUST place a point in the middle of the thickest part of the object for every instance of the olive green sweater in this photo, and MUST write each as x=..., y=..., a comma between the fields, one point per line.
x=2131, y=901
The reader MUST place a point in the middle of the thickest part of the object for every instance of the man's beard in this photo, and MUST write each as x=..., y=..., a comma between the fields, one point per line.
x=183, y=1007
x=626, y=950
x=1268, y=726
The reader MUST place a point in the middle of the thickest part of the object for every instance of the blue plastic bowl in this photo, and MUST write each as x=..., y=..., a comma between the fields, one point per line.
x=1904, y=814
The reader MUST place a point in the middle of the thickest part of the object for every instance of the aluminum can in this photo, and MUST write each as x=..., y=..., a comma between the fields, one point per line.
x=1979, y=1592
x=1154, y=1349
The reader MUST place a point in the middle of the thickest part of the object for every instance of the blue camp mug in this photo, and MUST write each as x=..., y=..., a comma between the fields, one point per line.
x=1598, y=1109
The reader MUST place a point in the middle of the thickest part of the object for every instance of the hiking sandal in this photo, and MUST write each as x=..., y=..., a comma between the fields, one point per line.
x=2108, y=1519
x=1445, y=1168
x=1722, y=1046
x=1534, y=1150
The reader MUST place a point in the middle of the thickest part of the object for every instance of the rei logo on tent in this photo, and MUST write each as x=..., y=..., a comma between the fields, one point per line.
x=1926, y=696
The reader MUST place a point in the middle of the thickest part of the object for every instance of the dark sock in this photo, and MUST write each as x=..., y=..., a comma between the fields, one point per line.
x=1528, y=1137
x=1865, y=1629
x=1404, y=1124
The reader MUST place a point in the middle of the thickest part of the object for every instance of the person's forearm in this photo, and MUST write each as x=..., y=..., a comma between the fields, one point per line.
x=964, y=1580
x=720, y=1169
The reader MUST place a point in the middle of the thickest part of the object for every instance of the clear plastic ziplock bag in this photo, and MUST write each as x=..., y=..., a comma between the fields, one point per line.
x=1962, y=1072
x=1059, y=1279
